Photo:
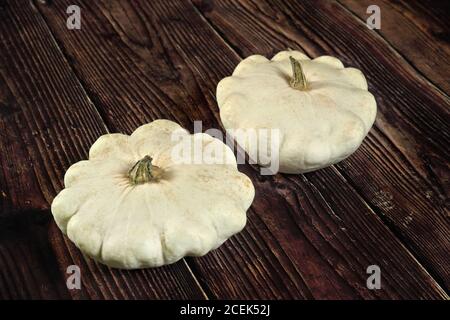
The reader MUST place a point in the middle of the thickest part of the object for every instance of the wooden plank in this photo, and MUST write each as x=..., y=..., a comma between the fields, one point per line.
x=419, y=40
x=19, y=190
x=27, y=267
x=295, y=245
x=429, y=14
x=386, y=169
x=48, y=123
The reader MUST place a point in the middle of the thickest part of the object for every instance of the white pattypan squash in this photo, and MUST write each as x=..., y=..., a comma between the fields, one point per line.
x=132, y=206
x=322, y=110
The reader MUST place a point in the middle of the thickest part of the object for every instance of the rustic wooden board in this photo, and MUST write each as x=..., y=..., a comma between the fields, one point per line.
x=143, y=60
x=388, y=168
x=48, y=122
x=425, y=44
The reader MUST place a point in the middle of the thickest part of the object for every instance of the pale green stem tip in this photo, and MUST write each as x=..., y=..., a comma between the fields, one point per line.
x=298, y=81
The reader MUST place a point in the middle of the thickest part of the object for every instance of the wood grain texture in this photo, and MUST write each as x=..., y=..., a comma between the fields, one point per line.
x=26, y=264
x=387, y=170
x=425, y=44
x=48, y=123
x=19, y=190
x=302, y=240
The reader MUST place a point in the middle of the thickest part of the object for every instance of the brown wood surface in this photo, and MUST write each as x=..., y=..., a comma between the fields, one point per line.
x=307, y=236
x=50, y=123
x=387, y=169
x=426, y=44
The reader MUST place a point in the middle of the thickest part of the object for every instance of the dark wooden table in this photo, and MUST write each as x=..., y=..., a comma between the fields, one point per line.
x=308, y=236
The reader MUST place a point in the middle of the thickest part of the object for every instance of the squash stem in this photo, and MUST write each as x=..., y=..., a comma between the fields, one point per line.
x=142, y=171
x=298, y=81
